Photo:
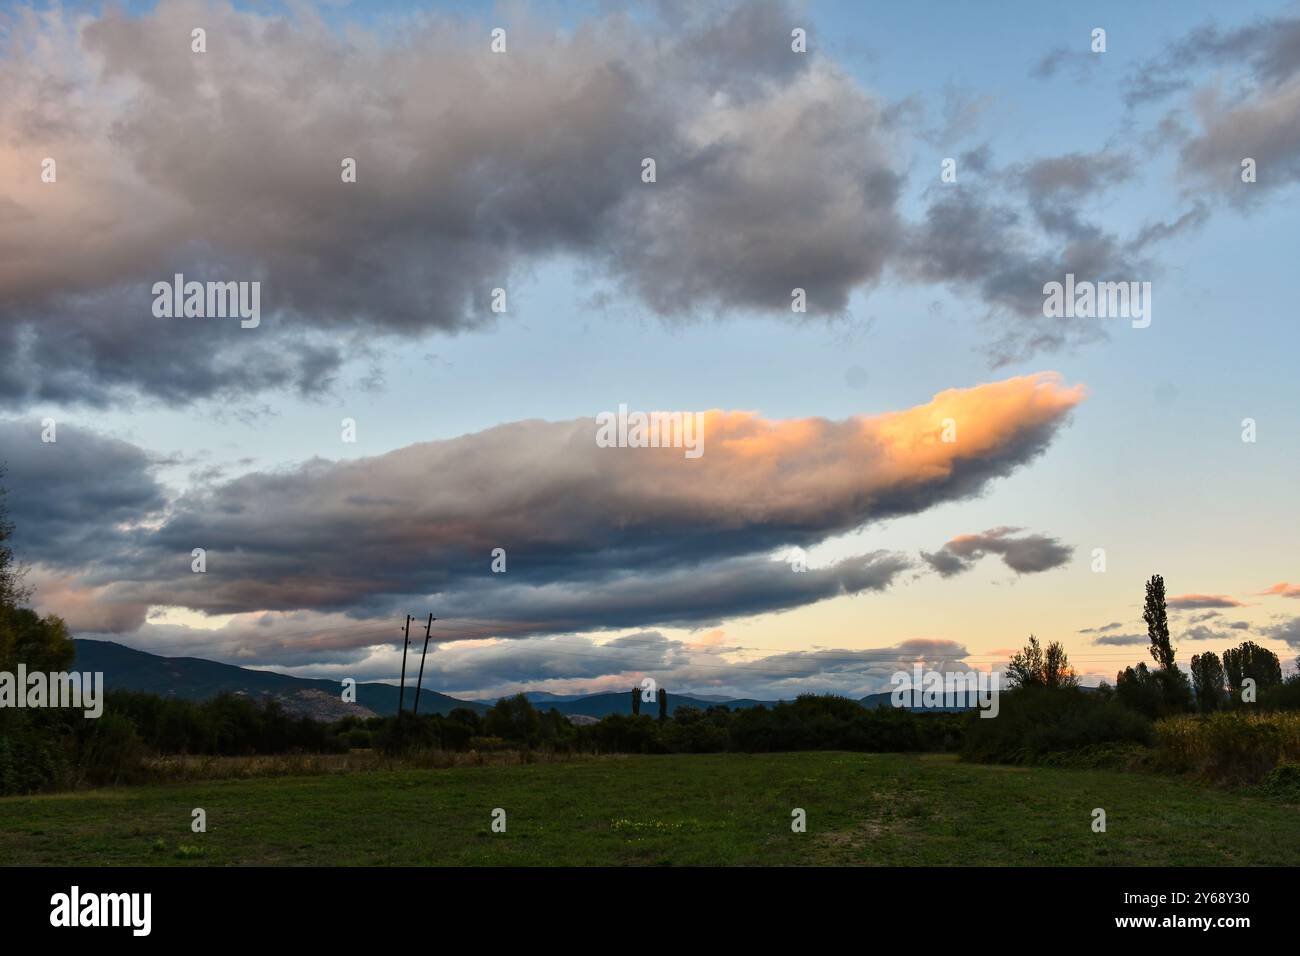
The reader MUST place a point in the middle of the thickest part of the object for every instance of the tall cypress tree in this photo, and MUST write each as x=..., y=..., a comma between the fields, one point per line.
x=1156, y=614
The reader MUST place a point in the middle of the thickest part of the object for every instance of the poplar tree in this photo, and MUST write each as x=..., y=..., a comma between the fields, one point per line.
x=1156, y=614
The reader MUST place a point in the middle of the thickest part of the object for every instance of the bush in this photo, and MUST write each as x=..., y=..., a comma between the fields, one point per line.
x=33, y=755
x=1033, y=722
x=1283, y=782
x=1232, y=747
x=111, y=752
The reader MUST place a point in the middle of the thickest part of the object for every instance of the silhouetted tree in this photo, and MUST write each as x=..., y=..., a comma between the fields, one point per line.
x=1251, y=660
x=636, y=702
x=1035, y=667
x=1156, y=614
x=1137, y=689
x=1207, y=679
x=1175, y=688
x=663, y=704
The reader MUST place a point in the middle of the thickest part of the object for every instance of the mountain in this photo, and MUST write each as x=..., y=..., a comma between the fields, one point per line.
x=885, y=699
x=620, y=702
x=192, y=678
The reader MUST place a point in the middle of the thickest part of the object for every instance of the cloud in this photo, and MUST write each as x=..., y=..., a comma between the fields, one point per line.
x=471, y=169
x=1184, y=602
x=1113, y=625
x=1283, y=589
x=774, y=170
x=80, y=499
x=1122, y=640
x=1288, y=631
x=1201, y=632
x=1082, y=61
x=1026, y=554
x=1251, y=110
x=595, y=537
x=574, y=663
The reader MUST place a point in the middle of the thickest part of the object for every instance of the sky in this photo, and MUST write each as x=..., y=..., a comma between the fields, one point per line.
x=823, y=430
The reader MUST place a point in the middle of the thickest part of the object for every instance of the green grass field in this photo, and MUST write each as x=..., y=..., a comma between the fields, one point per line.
x=862, y=809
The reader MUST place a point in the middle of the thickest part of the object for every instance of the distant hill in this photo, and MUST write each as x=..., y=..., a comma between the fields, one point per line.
x=602, y=705
x=192, y=678
x=620, y=702
x=885, y=699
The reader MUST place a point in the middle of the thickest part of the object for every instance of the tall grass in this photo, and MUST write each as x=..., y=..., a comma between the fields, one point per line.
x=1238, y=746
x=185, y=768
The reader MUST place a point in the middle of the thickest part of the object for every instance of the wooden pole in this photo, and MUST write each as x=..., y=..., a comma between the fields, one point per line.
x=419, y=681
x=406, y=642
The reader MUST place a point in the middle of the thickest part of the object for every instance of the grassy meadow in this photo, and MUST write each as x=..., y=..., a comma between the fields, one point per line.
x=722, y=809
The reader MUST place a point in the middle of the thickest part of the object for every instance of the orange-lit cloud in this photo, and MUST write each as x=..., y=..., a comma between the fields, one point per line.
x=597, y=537
x=1283, y=589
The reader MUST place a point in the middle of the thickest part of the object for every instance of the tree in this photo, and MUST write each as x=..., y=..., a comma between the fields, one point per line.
x=40, y=643
x=1251, y=660
x=1156, y=615
x=12, y=592
x=1137, y=689
x=1034, y=667
x=514, y=719
x=1207, y=679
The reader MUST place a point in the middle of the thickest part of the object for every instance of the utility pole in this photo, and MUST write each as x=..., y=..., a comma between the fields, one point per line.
x=419, y=681
x=406, y=642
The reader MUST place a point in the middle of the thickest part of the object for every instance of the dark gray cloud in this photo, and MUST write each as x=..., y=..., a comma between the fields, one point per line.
x=1269, y=48
x=1080, y=61
x=1026, y=227
x=1023, y=553
x=1122, y=640
x=573, y=663
x=1103, y=629
x=1288, y=631
x=1252, y=109
x=594, y=536
x=78, y=500
x=472, y=168
x=775, y=170
x=1202, y=632
x=1185, y=602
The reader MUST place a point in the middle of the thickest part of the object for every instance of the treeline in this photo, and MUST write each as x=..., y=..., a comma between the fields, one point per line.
x=808, y=723
x=60, y=749
x=1230, y=720
x=1044, y=715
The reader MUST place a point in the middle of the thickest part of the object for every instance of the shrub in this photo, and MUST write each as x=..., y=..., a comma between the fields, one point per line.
x=1283, y=782
x=1232, y=747
x=1033, y=722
